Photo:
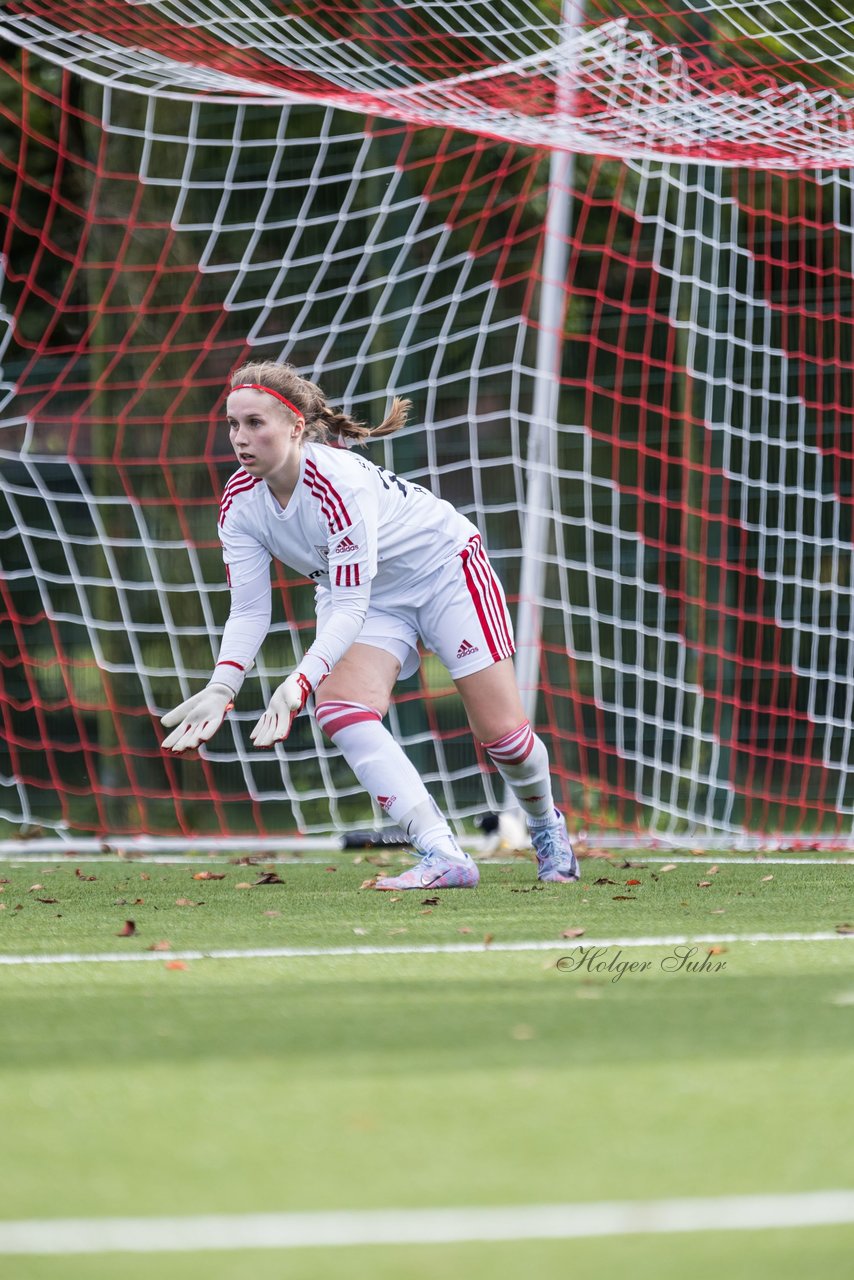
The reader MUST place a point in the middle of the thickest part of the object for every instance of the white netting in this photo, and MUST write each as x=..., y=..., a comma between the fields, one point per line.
x=685, y=491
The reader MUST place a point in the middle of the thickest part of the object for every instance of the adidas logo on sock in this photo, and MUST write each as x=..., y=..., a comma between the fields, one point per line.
x=385, y=802
x=346, y=544
x=466, y=649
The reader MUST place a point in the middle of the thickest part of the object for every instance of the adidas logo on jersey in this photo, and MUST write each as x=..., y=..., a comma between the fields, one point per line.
x=466, y=649
x=346, y=544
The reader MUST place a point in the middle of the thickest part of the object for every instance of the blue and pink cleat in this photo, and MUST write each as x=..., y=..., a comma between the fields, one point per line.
x=556, y=862
x=435, y=871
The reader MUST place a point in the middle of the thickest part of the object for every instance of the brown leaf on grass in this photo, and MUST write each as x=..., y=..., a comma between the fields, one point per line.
x=845, y=928
x=624, y=897
x=80, y=876
x=716, y=951
x=488, y=938
x=428, y=911
x=127, y=930
x=176, y=964
x=33, y=887
x=634, y=882
x=370, y=883
x=713, y=871
x=143, y=875
x=187, y=902
x=704, y=884
x=604, y=880
x=269, y=877
x=244, y=884
x=765, y=879
x=209, y=875
x=52, y=900
x=429, y=902
x=576, y=932
x=718, y=911
x=5, y=880
x=671, y=866
x=464, y=929
x=162, y=945
x=330, y=868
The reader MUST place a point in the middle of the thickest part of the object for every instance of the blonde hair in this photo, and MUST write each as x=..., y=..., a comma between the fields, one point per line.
x=323, y=424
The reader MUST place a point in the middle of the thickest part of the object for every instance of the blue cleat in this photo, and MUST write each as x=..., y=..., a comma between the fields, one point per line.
x=556, y=862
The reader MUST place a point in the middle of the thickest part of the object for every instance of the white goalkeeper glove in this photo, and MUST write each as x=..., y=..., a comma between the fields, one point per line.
x=285, y=705
x=198, y=718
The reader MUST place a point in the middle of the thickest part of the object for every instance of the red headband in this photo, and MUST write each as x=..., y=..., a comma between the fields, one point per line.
x=256, y=386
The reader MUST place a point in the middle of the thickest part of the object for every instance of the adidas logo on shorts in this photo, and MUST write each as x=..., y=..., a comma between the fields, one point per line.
x=346, y=544
x=466, y=649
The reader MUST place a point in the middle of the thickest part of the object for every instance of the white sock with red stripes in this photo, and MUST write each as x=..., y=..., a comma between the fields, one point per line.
x=523, y=762
x=386, y=772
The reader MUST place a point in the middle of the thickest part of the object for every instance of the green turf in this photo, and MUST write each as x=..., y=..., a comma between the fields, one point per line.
x=84, y=906
x=486, y=1078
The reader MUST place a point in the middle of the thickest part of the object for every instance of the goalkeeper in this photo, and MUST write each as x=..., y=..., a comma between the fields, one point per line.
x=392, y=565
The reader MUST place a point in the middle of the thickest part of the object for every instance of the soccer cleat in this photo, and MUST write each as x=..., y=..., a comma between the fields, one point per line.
x=434, y=872
x=556, y=862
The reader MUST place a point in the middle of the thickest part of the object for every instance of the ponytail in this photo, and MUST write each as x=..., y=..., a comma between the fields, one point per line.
x=323, y=424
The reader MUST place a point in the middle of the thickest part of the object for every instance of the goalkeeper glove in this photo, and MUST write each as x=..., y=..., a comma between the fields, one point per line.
x=285, y=705
x=198, y=718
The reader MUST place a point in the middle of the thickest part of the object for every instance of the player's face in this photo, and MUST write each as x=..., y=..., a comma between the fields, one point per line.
x=264, y=434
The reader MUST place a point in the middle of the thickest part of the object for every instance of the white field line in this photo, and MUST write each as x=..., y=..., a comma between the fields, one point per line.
x=425, y=1226
x=430, y=948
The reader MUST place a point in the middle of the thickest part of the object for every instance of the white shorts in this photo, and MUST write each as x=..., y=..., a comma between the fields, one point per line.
x=459, y=613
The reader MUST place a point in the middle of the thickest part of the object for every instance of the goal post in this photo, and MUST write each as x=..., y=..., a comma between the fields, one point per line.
x=606, y=250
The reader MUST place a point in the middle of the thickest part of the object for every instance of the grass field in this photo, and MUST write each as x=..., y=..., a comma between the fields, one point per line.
x=365, y=1068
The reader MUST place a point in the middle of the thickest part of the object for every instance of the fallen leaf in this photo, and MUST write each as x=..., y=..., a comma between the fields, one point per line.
x=269, y=877
x=244, y=884
x=80, y=876
x=488, y=938
x=604, y=880
x=634, y=882
x=370, y=883
x=187, y=902
x=272, y=913
x=209, y=875
x=53, y=900
x=143, y=875
x=704, y=884
x=360, y=932
x=330, y=868
x=624, y=897
x=127, y=930
x=176, y=964
x=573, y=933
x=464, y=929
x=845, y=928
x=429, y=902
x=162, y=945
x=33, y=887
x=671, y=866
x=716, y=951
x=428, y=911
x=718, y=911
x=765, y=879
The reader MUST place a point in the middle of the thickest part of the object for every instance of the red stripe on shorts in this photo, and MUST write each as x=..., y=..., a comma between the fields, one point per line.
x=486, y=597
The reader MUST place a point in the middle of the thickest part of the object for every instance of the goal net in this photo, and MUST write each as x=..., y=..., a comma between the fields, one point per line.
x=607, y=252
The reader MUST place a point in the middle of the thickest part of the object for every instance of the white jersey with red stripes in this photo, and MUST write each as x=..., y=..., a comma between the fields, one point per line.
x=349, y=523
x=393, y=564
